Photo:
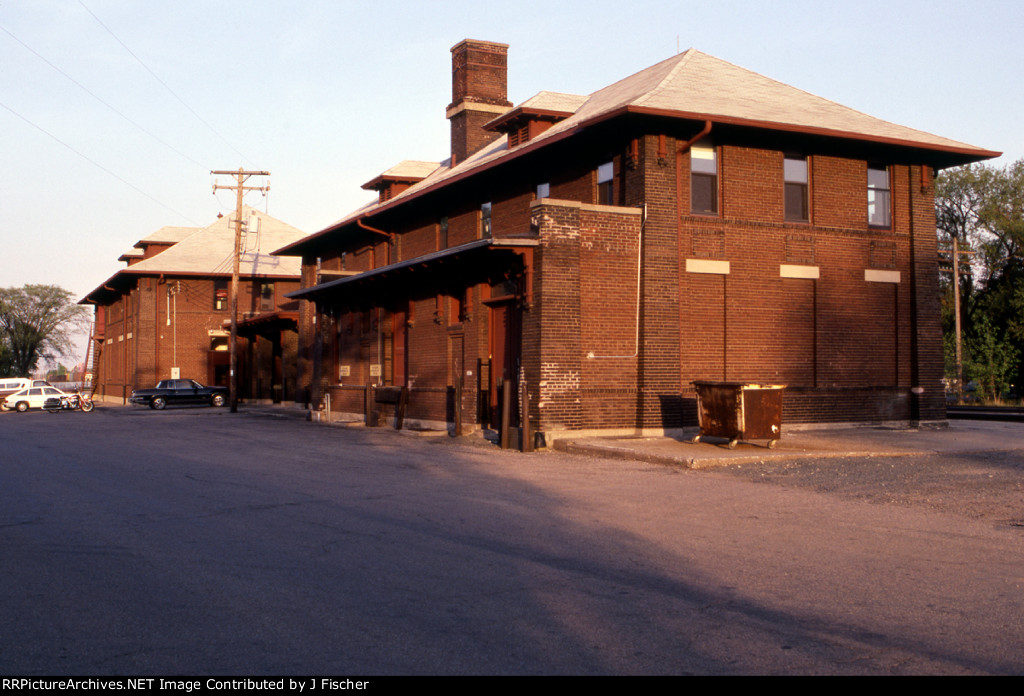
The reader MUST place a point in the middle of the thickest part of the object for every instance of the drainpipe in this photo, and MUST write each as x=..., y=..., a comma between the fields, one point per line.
x=389, y=235
x=679, y=204
x=380, y=335
x=686, y=146
x=639, y=267
x=679, y=165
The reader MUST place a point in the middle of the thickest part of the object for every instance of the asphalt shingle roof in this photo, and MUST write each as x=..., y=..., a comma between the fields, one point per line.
x=208, y=250
x=693, y=85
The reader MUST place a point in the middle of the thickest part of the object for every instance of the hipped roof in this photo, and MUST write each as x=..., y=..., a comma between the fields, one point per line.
x=208, y=252
x=167, y=235
x=699, y=87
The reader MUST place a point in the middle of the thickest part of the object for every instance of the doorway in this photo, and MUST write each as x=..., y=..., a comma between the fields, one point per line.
x=505, y=355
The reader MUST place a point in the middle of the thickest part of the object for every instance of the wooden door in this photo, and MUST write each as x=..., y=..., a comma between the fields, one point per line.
x=505, y=353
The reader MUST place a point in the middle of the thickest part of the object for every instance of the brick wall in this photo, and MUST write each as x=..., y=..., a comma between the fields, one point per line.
x=844, y=314
x=165, y=323
x=582, y=327
x=842, y=342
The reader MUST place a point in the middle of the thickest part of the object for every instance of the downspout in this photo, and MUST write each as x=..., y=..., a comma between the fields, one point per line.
x=686, y=146
x=639, y=263
x=916, y=390
x=389, y=235
x=639, y=274
x=380, y=335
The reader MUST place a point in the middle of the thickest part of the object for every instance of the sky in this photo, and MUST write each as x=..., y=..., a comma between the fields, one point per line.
x=114, y=112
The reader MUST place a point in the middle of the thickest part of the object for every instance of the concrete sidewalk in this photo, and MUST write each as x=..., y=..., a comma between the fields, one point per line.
x=960, y=437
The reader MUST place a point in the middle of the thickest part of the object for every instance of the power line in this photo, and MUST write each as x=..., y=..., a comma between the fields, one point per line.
x=97, y=164
x=99, y=99
x=165, y=85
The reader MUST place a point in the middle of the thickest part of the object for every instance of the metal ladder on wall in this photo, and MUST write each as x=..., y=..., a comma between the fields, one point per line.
x=92, y=362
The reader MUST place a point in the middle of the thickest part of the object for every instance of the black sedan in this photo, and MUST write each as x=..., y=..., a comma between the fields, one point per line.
x=179, y=391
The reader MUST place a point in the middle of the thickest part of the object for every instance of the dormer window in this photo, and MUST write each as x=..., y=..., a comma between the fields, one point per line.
x=397, y=179
x=534, y=116
x=519, y=135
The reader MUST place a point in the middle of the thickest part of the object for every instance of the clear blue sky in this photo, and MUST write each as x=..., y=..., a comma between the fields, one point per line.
x=325, y=94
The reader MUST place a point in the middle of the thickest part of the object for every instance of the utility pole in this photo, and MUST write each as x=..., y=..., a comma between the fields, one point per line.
x=954, y=254
x=241, y=176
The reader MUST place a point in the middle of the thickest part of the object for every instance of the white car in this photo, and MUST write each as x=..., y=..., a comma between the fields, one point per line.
x=33, y=397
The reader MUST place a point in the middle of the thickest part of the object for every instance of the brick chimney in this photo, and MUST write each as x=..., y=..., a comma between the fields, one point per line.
x=479, y=94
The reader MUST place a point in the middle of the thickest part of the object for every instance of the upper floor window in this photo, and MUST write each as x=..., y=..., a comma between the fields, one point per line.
x=266, y=297
x=485, y=220
x=703, y=180
x=795, y=175
x=220, y=294
x=606, y=184
x=442, y=234
x=879, y=211
x=543, y=190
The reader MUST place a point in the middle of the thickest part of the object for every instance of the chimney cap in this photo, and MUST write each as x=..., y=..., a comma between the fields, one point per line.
x=477, y=43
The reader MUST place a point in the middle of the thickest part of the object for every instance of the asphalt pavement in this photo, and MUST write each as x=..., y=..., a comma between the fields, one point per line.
x=196, y=541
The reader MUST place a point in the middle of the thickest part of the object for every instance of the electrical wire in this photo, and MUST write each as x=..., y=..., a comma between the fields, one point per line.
x=100, y=100
x=98, y=165
x=165, y=85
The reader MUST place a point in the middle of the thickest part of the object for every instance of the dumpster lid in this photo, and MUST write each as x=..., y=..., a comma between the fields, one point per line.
x=735, y=384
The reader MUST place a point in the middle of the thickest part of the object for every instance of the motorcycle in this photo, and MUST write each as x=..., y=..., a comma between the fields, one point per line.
x=69, y=402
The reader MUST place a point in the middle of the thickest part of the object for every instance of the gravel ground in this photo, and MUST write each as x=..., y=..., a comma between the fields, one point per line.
x=981, y=486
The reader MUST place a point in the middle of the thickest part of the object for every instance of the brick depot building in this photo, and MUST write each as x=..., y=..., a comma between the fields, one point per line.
x=169, y=308
x=695, y=221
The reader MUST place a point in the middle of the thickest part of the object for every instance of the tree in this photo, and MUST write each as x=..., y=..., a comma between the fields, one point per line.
x=6, y=359
x=1002, y=219
x=37, y=322
x=982, y=207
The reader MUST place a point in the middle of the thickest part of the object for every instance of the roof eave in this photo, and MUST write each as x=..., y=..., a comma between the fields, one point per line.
x=974, y=154
x=205, y=274
x=963, y=155
x=478, y=244
x=294, y=249
x=91, y=298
